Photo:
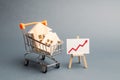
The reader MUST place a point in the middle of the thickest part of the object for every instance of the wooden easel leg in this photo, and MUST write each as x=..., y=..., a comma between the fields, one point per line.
x=85, y=61
x=79, y=57
x=70, y=62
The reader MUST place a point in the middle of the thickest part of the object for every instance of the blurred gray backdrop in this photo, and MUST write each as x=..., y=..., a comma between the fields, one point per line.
x=98, y=20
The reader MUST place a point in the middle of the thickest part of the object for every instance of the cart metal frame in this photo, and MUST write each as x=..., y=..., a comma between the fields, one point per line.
x=32, y=49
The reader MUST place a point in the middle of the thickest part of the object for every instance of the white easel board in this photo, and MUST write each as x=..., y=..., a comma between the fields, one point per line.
x=78, y=46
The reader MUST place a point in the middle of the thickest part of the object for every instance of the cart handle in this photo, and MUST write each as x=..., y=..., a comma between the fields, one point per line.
x=23, y=25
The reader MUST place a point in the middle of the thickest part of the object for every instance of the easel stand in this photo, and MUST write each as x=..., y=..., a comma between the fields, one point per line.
x=80, y=57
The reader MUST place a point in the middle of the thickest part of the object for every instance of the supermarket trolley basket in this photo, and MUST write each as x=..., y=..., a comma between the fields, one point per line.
x=39, y=54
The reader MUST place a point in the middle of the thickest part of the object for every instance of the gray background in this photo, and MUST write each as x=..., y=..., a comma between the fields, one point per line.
x=98, y=20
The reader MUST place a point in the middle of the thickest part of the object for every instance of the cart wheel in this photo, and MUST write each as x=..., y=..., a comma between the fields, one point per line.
x=57, y=65
x=26, y=62
x=43, y=57
x=44, y=68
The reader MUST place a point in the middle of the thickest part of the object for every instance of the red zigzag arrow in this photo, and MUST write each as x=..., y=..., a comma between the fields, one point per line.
x=82, y=45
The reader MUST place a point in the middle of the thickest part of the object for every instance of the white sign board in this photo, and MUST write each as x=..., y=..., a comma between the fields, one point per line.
x=78, y=46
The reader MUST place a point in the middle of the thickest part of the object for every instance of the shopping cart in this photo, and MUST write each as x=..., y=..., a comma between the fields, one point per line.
x=40, y=54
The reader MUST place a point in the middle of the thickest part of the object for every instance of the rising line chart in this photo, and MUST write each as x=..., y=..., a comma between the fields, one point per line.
x=80, y=45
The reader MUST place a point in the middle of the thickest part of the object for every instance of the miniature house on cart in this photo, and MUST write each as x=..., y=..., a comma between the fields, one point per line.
x=42, y=41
